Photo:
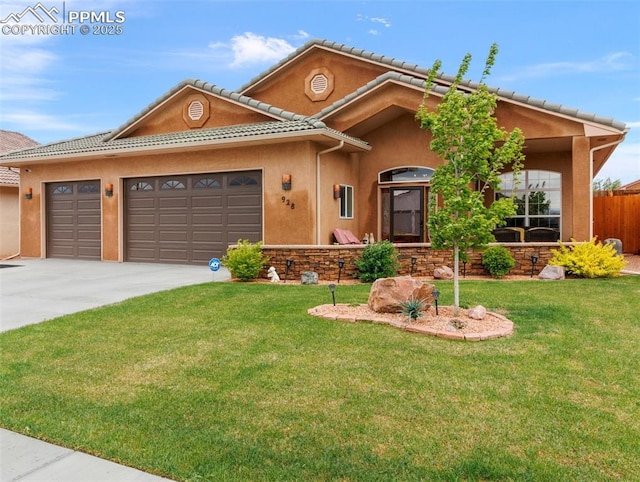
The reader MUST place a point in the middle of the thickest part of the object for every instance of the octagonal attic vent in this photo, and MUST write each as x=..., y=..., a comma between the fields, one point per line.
x=196, y=110
x=319, y=84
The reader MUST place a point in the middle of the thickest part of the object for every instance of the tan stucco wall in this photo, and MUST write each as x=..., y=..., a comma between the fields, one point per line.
x=286, y=89
x=281, y=223
x=9, y=221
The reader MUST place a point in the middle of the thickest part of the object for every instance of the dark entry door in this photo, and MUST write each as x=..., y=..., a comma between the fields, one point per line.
x=407, y=214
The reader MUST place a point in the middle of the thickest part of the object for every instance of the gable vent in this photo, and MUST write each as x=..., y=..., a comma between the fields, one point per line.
x=196, y=110
x=319, y=84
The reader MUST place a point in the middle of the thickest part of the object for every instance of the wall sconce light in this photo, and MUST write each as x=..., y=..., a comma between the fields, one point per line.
x=29, y=193
x=336, y=191
x=108, y=190
x=534, y=260
x=436, y=295
x=286, y=182
x=414, y=260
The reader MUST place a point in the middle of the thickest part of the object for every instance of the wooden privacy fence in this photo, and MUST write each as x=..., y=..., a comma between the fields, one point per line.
x=618, y=216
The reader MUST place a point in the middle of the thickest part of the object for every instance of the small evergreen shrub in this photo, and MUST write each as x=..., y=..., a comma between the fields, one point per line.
x=589, y=260
x=245, y=261
x=497, y=260
x=412, y=308
x=378, y=260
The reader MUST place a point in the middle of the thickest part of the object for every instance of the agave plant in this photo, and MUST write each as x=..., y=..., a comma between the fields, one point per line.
x=412, y=308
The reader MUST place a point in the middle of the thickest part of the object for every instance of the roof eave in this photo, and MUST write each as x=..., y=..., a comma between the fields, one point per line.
x=318, y=135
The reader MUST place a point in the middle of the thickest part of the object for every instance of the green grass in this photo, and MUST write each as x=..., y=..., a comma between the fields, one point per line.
x=232, y=381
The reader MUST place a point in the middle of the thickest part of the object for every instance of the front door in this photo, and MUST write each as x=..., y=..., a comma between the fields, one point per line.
x=406, y=214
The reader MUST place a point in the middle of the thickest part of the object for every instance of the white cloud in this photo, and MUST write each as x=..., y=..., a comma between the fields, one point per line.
x=616, y=61
x=250, y=48
x=380, y=20
x=30, y=121
x=633, y=124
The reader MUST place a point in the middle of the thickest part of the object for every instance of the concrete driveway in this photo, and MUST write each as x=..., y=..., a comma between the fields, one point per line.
x=34, y=290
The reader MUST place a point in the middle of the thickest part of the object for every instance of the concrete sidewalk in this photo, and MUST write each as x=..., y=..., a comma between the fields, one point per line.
x=35, y=290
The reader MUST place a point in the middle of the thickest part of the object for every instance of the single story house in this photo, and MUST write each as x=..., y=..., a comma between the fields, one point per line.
x=326, y=139
x=9, y=194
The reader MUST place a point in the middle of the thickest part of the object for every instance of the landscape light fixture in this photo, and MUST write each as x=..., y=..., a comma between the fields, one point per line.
x=414, y=260
x=464, y=268
x=340, y=266
x=534, y=260
x=436, y=295
x=29, y=193
x=332, y=288
x=288, y=263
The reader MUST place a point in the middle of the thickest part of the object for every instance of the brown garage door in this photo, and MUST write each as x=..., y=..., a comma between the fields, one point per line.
x=190, y=219
x=73, y=220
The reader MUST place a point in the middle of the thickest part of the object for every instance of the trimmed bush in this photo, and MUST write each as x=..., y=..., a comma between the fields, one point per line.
x=589, y=260
x=378, y=260
x=497, y=260
x=245, y=261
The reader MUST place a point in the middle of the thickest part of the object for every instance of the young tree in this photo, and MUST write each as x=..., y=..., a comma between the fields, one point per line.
x=475, y=151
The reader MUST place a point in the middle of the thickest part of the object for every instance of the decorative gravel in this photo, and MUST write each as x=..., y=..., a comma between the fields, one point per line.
x=493, y=325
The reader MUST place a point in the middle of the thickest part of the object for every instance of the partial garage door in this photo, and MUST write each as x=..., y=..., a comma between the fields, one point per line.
x=73, y=220
x=190, y=219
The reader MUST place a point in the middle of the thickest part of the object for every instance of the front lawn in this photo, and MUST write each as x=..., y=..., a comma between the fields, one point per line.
x=231, y=381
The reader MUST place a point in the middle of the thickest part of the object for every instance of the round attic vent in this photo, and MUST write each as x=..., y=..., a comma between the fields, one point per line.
x=196, y=110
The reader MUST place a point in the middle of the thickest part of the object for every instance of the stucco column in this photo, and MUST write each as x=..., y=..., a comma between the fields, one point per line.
x=581, y=188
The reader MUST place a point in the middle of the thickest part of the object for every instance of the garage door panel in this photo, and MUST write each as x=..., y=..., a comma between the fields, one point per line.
x=73, y=217
x=185, y=219
x=243, y=201
x=175, y=219
x=172, y=202
x=206, y=202
x=137, y=202
x=251, y=219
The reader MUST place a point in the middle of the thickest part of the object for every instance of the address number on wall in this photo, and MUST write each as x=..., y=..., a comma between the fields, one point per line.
x=288, y=202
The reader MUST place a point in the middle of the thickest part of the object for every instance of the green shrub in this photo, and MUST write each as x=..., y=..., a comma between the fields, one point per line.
x=589, y=260
x=244, y=261
x=378, y=260
x=497, y=260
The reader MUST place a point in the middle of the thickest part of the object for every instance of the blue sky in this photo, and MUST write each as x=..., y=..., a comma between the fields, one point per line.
x=582, y=54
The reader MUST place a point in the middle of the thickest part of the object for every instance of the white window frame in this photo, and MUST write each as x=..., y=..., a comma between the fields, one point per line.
x=346, y=202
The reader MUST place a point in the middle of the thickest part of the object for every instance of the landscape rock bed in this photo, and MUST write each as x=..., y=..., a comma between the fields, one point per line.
x=492, y=326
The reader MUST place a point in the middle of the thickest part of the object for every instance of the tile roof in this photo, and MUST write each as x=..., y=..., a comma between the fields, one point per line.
x=97, y=144
x=442, y=77
x=220, y=92
x=12, y=141
x=9, y=177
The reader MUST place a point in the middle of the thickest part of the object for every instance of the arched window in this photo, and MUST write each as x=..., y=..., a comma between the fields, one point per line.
x=206, y=183
x=173, y=184
x=538, y=196
x=405, y=174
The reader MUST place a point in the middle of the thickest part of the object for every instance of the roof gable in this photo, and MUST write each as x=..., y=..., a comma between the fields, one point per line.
x=225, y=108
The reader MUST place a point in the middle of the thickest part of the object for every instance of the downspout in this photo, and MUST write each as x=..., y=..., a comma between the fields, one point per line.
x=318, y=154
x=591, y=151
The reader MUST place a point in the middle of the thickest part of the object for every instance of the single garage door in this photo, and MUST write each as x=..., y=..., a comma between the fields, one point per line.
x=73, y=220
x=190, y=219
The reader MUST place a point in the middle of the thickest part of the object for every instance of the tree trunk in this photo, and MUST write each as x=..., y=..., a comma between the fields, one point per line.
x=456, y=284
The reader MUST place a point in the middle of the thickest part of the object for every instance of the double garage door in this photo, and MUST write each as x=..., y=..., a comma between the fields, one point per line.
x=170, y=219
